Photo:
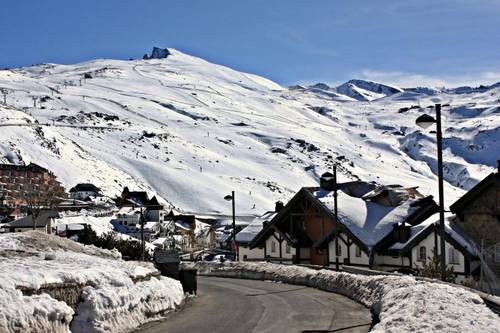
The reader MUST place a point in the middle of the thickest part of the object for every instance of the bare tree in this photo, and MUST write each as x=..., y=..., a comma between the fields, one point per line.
x=39, y=198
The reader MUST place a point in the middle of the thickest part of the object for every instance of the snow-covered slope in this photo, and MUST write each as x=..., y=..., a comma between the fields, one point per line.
x=362, y=90
x=191, y=131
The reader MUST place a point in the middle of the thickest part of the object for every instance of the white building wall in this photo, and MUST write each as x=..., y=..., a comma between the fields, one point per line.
x=283, y=250
x=343, y=250
x=257, y=253
x=428, y=242
x=305, y=254
x=362, y=260
x=269, y=246
x=276, y=254
x=395, y=262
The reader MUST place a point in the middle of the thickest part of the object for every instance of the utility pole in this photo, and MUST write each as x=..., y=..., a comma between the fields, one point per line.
x=336, y=217
x=439, y=137
x=142, y=233
x=233, y=242
x=425, y=121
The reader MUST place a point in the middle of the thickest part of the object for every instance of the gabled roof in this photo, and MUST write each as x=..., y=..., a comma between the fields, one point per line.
x=85, y=187
x=453, y=235
x=141, y=197
x=475, y=191
x=367, y=223
x=153, y=204
x=27, y=222
x=247, y=234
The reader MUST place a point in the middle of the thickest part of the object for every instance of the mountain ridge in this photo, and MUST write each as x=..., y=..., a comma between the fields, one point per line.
x=191, y=131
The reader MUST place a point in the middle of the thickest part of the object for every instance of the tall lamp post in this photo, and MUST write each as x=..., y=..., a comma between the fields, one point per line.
x=425, y=121
x=233, y=242
x=333, y=179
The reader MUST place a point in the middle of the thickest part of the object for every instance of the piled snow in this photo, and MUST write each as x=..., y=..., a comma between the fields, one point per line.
x=116, y=295
x=401, y=303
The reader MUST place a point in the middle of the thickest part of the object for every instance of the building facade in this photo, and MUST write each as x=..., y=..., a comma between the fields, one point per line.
x=23, y=184
x=478, y=213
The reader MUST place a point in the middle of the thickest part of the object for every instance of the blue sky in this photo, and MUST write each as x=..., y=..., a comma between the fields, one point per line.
x=411, y=42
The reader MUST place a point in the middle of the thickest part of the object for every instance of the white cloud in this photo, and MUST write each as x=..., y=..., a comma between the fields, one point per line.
x=404, y=79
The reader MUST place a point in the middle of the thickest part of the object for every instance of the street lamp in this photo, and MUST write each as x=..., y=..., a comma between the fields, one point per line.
x=233, y=242
x=425, y=121
x=333, y=179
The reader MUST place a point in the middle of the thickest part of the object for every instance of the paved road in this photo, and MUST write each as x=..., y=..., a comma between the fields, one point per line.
x=243, y=306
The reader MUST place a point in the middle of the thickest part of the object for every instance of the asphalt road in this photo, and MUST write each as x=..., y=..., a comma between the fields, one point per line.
x=243, y=306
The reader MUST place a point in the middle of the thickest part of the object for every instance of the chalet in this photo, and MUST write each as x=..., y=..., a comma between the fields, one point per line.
x=132, y=198
x=83, y=191
x=44, y=222
x=478, y=213
x=154, y=210
x=128, y=222
x=380, y=227
x=420, y=242
x=247, y=234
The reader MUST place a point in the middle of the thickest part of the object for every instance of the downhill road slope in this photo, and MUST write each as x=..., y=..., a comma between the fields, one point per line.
x=232, y=305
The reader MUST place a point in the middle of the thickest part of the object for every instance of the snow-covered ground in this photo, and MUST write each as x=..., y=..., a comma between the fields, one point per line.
x=401, y=303
x=114, y=295
x=181, y=127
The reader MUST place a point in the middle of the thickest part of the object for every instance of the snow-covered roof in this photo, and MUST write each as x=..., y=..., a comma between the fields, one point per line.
x=248, y=233
x=182, y=225
x=368, y=221
x=159, y=241
x=450, y=228
x=150, y=224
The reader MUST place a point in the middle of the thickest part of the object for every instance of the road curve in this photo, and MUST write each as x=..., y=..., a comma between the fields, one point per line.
x=243, y=306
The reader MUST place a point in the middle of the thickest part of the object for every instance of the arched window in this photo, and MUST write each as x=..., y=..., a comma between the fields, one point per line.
x=422, y=253
x=273, y=246
x=287, y=248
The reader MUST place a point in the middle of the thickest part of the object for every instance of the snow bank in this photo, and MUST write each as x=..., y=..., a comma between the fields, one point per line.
x=401, y=303
x=42, y=274
x=115, y=309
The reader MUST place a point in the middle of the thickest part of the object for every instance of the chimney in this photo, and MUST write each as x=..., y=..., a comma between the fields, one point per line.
x=278, y=206
x=327, y=182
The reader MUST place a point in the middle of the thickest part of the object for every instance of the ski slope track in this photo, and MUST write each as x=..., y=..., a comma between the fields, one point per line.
x=191, y=131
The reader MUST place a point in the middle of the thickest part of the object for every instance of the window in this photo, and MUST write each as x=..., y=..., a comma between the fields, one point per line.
x=273, y=246
x=339, y=249
x=454, y=257
x=358, y=251
x=422, y=253
x=497, y=252
x=287, y=249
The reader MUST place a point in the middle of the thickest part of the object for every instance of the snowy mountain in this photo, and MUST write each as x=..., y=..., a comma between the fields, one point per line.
x=191, y=131
x=362, y=90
